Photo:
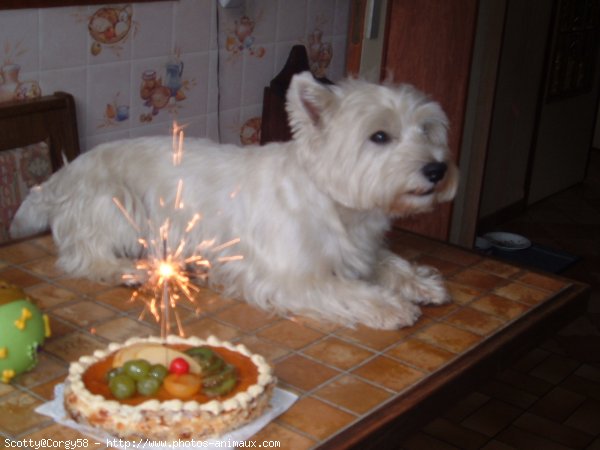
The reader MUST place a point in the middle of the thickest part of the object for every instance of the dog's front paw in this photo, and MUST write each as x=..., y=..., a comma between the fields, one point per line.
x=429, y=287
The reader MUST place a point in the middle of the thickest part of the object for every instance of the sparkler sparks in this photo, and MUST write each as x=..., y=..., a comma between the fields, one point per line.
x=165, y=274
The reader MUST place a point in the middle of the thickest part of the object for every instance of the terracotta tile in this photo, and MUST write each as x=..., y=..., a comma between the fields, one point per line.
x=524, y=381
x=448, y=337
x=209, y=301
x=290, y=334
x=338, y=353
x=466, y=406
x=543, y=282
x=558, y=404
x=492, y=417
x=508, y=394
x=46, y=390
x=389, y=373
x=444, y=266
x=205, y=327
x=121, y=328
x=72, y=346
x=19, y=277
x=303, y=373
x=315, y=418
x=284, y=436
x=555, y=368
x=353, y=394
x=83, y=313
x=461, y=293
x=120, y=298
x=265, y=348
x=439, y=311
x=522, y=293
x=245, y=317
x=420, y=354
x=498, y=268
x=322, y=326
x=475, y=321
x=45, y=369
x=82, y=285
x=44, y=267
x=518, y=438
x=478, y=279
x=585, y=417
x=455, y=434
x=455, y=255
x=6, y=389
x=21, y=252
x=48, y=296
x=59, y=328
x=500, y=306
x=45, y=242
x=18, y=414
x=422, y=441
x=380, y=339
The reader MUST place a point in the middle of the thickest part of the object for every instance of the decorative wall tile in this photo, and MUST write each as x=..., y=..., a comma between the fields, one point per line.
x=58, y=49
x=155, y=33
x=193, y=25
x=101, y=53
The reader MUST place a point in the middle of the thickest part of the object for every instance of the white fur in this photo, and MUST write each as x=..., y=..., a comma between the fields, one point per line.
x=310, y=213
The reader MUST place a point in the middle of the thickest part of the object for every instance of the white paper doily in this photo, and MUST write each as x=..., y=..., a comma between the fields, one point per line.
x=55, y=409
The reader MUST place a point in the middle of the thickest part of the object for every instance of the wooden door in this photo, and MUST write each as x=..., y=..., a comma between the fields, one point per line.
x=429, y=44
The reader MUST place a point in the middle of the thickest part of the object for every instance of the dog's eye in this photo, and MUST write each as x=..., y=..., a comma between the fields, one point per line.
x=380, y=137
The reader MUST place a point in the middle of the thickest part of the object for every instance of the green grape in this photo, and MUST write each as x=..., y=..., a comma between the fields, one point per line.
x=158, y=371
x=148, y=386
x=122, y=386
x=137, y=368
x=113, y=373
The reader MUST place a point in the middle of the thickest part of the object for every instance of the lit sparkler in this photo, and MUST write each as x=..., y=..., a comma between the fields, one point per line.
x=166, y=272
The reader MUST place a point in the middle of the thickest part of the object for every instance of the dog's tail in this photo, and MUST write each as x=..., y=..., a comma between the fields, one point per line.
x=33, y=216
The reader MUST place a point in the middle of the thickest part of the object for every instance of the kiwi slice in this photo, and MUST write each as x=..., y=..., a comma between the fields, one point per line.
x=222, y=388
x=214, y=380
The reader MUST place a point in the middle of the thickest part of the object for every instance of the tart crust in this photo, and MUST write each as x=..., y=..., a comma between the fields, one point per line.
x=173, y=419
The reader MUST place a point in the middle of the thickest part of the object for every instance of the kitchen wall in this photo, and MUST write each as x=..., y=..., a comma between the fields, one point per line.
x=135, y=68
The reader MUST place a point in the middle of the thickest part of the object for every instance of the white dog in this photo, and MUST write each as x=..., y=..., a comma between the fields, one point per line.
x=310, y=214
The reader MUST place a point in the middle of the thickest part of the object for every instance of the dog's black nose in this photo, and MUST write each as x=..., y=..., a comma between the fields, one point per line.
x=434, y=171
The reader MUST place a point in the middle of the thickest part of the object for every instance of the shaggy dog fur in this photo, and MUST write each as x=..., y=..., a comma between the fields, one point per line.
x=310, y=214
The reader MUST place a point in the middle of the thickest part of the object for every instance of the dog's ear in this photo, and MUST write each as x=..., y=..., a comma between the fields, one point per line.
x=307, y=100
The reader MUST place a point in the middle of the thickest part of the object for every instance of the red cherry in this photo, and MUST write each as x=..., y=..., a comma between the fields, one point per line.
x=179, y=366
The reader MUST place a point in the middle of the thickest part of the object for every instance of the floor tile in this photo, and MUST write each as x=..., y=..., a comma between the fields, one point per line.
x=47, y=296
x=18, y=414
x=83, y=313
x=380, y=339
x=586, y=417
x=245, y=317
x=205, y=327
x=303, y=373
x=352, y=393
x=421, y=354
x=475, y=321
x=455, y=434
x=422, y=441
x=389, y=373
x=121, y=328
x=500, y=307
x=478, y=279
x=498, y=268
x=315, y=417
x=522, y=293
x=263, y=347
x=337, y=353
x=555, y=368
x=461, y=293
x=284, y=436
x=492, y=417
x=21, y=253
x=289, y=334
x=72, y=346
x=524, y=440
x=447, y=337
x=563, y=434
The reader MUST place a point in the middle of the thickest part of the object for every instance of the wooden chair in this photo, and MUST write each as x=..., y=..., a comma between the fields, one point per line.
x=35, y=136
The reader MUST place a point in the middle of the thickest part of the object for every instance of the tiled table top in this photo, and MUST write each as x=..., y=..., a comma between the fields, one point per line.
x=342, y=375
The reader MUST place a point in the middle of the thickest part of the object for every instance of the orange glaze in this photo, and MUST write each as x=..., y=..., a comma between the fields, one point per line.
x=94, y=378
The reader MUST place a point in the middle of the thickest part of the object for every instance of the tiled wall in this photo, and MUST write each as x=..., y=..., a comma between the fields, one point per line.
x=134, y=68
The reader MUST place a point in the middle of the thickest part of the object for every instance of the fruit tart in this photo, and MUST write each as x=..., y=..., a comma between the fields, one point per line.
x=169, y=389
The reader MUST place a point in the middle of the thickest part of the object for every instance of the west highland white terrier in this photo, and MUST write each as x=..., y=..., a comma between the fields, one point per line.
x=310, y=214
